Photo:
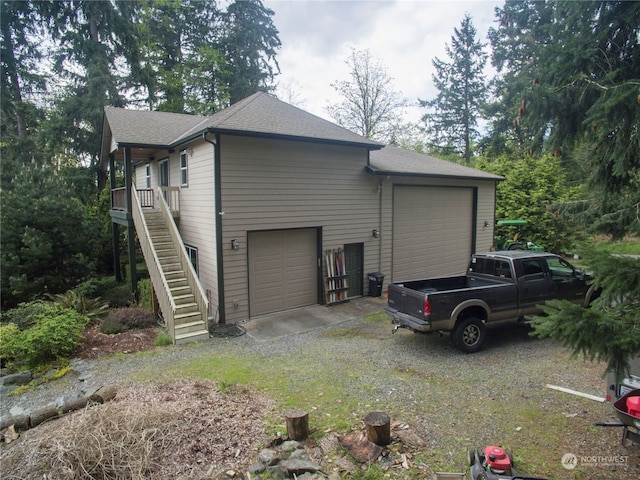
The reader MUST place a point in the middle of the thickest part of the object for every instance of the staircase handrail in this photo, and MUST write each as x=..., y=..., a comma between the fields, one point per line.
x=190, y=272
x=165, y=300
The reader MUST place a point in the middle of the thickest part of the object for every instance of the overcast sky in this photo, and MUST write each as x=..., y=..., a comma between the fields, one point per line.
x=403, y=35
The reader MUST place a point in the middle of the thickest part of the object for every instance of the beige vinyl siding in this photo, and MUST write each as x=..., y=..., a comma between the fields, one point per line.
x=276, y=184
x=197, y=221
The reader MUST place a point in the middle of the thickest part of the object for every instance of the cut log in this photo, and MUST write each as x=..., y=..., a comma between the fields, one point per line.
x=104, y=394
x=297, y=424
x=75, y=404
x=43, y=415
x=378, y=428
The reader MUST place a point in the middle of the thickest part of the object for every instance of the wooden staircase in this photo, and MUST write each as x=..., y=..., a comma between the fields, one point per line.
x=189, y=322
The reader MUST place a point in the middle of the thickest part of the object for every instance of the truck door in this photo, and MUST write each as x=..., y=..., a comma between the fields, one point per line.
x=534, y=284
x=567, y=285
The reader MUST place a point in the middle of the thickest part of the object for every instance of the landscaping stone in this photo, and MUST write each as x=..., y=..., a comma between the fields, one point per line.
x=20, y=378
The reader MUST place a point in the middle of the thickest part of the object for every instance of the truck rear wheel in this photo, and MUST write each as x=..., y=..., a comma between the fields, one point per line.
x=469, y=335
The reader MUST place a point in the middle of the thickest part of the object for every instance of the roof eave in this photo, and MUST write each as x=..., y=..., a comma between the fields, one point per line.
x=385, y=173
x=278, y=136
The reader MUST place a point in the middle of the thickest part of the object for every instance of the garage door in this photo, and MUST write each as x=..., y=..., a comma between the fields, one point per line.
x=432, y=231
x=283, y=270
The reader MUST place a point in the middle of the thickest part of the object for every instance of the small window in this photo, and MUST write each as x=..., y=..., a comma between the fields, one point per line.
x=147, y=175
x=560, y=268
x=184, y=179
x=192, y=253
x=532, y=267
x=163, y=173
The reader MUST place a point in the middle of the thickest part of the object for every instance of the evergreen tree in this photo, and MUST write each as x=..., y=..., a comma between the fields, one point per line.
x=569, y=85
x=22, y=84
x=250, y=41
x=49, y=246
x=454, y=112
x=370, y=106
x=94, y=41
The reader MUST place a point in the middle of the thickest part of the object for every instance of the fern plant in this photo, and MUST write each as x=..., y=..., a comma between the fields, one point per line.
x=92, y=308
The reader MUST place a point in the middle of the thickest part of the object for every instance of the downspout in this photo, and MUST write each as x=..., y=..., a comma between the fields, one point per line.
x=380, y=240
x=115, y=231
x=217, y=184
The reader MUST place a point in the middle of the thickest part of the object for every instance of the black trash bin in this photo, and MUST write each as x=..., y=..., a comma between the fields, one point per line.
x=376, y=279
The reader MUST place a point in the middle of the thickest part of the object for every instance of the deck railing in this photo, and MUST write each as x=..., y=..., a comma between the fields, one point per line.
x=190, y=273
x=161, y=287
x=146, y=198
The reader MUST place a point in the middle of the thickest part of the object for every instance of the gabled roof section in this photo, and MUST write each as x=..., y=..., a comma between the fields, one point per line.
x=147, y=128
x=264, y=115
x=399, y=161
x=258, y=115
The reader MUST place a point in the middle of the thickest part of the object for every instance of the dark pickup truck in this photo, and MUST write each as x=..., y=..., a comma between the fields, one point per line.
x=498, y=287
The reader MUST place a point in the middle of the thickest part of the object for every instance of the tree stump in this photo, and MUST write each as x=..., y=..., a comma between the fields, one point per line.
x=378, y=428
x=297, y=424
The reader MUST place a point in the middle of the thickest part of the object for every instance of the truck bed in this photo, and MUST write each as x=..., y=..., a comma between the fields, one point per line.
x=448, y=284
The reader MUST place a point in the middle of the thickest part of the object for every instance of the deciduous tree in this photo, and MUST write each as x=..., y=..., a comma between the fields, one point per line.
x=370, y=105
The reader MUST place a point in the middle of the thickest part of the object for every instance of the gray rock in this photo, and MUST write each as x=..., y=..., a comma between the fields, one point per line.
x=289, y=446
x=298, y=467
x=257, y=468
x=20, y=378
x=269, y=456
x=277, y=472
x=300, y=455
x=16, y=411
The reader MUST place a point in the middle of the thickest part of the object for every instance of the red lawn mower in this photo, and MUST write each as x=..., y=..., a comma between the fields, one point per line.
x=493, y=463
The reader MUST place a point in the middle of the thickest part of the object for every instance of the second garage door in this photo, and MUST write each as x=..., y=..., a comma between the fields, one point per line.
x=283, y=271
x=432, y=231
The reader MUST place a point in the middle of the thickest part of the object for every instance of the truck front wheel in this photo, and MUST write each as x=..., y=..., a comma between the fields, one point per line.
x=469, y=335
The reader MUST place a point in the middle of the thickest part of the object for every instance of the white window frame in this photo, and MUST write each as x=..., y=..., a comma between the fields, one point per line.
x=192, y=254
x=147, y=175
x=184, y=169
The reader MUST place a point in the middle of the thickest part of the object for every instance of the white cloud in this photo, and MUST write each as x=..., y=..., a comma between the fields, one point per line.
x=404, y=36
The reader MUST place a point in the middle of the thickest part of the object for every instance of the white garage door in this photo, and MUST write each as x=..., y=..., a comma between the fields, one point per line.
x=432, y=231
x=283, y=270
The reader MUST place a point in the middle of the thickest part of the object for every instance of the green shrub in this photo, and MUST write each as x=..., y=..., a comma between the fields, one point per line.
x=118, y=296
x=92, y=308
x=163, y=339
x=111, y=327
x=9, y=333
x=144, y=294
x=25, y=314
x=94, y=287
x=127, y=319
x=55, y=334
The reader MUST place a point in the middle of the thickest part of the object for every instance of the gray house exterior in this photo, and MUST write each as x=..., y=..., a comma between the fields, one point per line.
x=259, y=191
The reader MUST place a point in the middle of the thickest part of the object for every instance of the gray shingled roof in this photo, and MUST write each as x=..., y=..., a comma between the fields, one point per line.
x=258, y=114
x=143, y=127
x=398, y=161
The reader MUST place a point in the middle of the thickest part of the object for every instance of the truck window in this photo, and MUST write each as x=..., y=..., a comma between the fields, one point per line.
x=560, y=268
x=490, y=266
x=532, y=268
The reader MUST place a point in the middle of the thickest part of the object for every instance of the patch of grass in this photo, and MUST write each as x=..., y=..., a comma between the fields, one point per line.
x=162, y=340
x=628, y=246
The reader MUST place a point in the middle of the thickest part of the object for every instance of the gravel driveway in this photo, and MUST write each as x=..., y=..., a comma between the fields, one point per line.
x=451, y=400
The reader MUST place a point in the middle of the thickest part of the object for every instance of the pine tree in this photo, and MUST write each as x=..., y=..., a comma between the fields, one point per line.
x=454, y=112
x=250, y=42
